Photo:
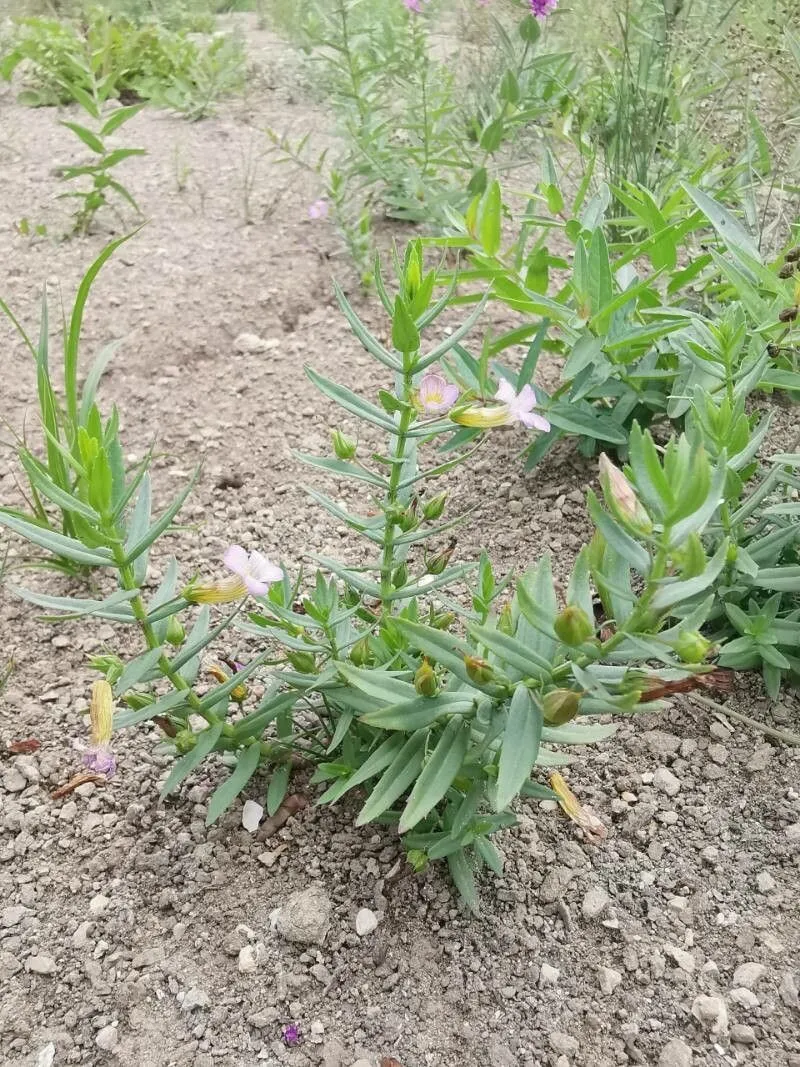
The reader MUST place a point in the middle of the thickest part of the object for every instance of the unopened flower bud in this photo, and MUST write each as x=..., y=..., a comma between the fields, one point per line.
x=239, y=693
x=435, y=506
x=443, y=621
x=505, y=621
x=185, y=740
x=436, y=564
x=176, y=634
x=692, y=647
x=622, y=499
x=407, y=520
x=478, y=670
x=573, y=626
x=560, y=706
x=344, y=447
x=137, y=701
x=400, y=576
x=361, y=653
x=425, y=681
x=304, y=662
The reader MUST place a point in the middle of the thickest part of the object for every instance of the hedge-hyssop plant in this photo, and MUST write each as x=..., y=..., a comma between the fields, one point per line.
x=441, y=710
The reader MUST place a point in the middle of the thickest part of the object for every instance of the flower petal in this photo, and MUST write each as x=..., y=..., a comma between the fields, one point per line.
x=255, y=587
x=505, y=392
x=262, y=569
x=450, y=395
x=235, y=559
x=526, y=398
x=540, y=423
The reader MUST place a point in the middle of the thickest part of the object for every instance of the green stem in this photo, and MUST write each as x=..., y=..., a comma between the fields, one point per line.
x=128, y=581
x=392, y=493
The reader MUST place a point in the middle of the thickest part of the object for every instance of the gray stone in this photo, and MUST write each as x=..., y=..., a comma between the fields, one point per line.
x=562, y=1043
x=334, y=1054
x=263, y=1018
x=250, y=958
x=305, y=917
x=500, y=1055
x=675, y=1053
x=13, y=781
x=661, y=744
x=790, y=995
x=46, y=1055
x=40, y=964
x=594, y=903
x=249, y=342
x=743, y=998
x=711, y=1013
x=609, y=980
x=548, y=975
x=195, y=998
x=748, y=974
x=555, y=882
x=99, y=905
x=666, y=782
x=13, y=915
x=366, y=922
x=685, y=960
x=107, y=1038
x=765, y=882
x=743, y=1034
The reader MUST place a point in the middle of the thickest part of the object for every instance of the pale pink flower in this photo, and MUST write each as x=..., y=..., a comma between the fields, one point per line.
x=413, y=5
x=255, y=570
x=513, y=407
x=520, y=405
x=319, y=209
x=436, y=395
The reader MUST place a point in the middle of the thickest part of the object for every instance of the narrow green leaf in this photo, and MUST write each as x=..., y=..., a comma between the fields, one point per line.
x=378, y=761
x=225, y=794
x=520, y=747
x=186, y=764
x=58, y=544
x=397, y=777
x=438, y=773
x=136, y=670
x=278, y=784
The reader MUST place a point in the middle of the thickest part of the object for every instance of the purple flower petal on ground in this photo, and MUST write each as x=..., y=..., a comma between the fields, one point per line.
x=291, y=1035
x=100, y=760
x=319, y=209
x=413, y=5
x=542, y=8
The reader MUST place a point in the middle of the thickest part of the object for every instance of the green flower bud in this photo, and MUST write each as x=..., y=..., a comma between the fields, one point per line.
x=425, y=681
x=478, y=670
x=435, y=506
x=176, y=634
x=111, y=666
x=560, y=706
x=505, y=621
x=185, y=740
x=344, y=447
x=400, y=576
x=443, y=621
x=573, y=626
x=304, y=662
x=408, y=520
x=137, y=701
x=692, y=647
x=361, y=653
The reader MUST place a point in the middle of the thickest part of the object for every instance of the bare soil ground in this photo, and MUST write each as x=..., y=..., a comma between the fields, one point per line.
x=123, y=918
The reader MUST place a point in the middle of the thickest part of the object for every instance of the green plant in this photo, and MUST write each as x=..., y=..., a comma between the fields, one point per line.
x=101, y=171
x=638, y=340
x=77, y=484
x=439, y=707
x=112, y=54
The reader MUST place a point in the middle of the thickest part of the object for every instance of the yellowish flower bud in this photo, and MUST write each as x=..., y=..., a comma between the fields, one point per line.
x=621, y=498
x=221, y=592
x=425, y=681
x=573, y=626
x=478, y=670
x=560, y=706
x=692, y=647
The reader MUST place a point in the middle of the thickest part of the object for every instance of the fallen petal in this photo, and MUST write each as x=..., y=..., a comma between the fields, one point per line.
x=252, y=814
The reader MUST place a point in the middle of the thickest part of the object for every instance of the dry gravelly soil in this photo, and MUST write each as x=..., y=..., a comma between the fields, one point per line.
x=123, y=918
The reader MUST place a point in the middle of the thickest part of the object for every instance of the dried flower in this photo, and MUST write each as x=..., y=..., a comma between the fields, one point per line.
x=436, y=395
x=319, y=209
x=513, y=407
x=542, y=8
x=253, y=574
x=291, y=1035
x=99, y=758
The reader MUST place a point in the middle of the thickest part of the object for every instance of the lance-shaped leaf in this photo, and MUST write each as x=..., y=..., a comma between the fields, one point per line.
x=416, y=713
x=341, y=468
x=512, y=652
x=379, y=685
x=351, y=402
x=673, y=591
x=115, y=607
x=445, y=648
x=169, y=702
x=378, y=761
x=520, y=746
x=437, y=775
x=397, y=777
x=186, y=764
x=56, y=543
x=464, y=879
x=370, y=343
x=225, y=794
x=442, y=349
x=138, y=670
x=133, y=549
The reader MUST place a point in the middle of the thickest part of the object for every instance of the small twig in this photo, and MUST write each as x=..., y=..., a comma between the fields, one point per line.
x=786, y=736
